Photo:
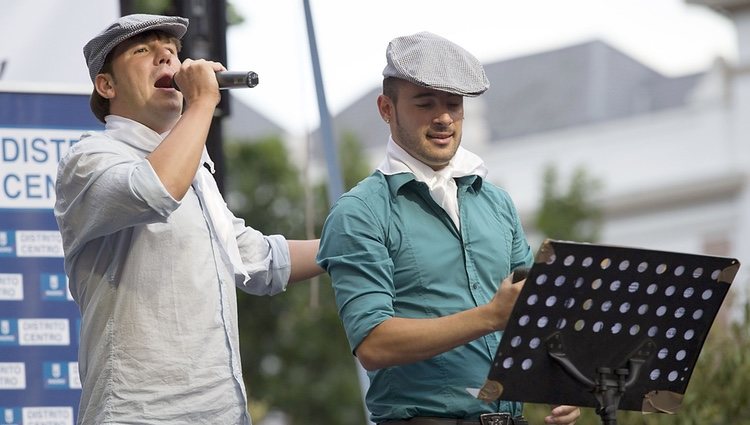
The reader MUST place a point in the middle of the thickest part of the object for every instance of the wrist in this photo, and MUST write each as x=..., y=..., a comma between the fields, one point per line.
x=490, y=312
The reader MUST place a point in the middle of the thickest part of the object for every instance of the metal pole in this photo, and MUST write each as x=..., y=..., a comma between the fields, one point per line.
x=335, y=182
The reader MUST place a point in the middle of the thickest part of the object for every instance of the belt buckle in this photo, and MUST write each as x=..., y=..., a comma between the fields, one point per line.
x=494, y=419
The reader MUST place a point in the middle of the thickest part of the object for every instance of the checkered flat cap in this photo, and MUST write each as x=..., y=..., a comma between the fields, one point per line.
x=428, y=60
x=97, y=49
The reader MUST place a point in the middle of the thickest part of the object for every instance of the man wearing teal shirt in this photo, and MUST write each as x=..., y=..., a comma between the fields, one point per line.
x=417, y=250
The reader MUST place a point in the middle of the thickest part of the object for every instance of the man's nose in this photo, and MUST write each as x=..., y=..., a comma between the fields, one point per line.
x=444, y=117
x=164, y=56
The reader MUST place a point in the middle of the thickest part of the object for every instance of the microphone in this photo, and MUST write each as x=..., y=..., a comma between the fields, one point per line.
x=236, y=79
x=232, y=80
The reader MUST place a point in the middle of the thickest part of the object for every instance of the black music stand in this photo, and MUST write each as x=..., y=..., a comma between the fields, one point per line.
x=608, y=327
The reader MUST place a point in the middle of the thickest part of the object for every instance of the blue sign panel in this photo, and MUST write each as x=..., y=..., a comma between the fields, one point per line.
x=39, y=322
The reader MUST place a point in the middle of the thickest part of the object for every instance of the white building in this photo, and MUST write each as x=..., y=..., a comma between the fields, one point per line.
x=672, y=154
x=675, y=178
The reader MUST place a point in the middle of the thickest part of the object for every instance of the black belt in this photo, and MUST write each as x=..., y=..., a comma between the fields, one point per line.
x=484, y=419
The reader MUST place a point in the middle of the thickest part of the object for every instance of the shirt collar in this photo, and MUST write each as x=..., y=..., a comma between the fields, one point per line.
x=397, y=161
x=401, y=167
x=141, y=137
x=396, y=181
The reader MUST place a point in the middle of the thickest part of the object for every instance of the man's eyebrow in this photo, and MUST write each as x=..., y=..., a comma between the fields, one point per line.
x=424, y=95
x=431, y=94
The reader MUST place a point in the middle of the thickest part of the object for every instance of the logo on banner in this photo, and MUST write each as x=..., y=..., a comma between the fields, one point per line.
x=11, y=287
x=78, y=331
x=12, y=376
x=53, y=415
x=39, y=330
x=11, y=416
x=55, y=287
x=56, y=375
x=8, y=332
x=29, y=158
x=43, y=332
x=39, y=243
x=61, y=376
x=7, y=243
x=74, y=378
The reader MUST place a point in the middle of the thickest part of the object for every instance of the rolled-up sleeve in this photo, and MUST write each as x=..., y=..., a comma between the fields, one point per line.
x=266, y=259
x=353, y=252
x=521, y=255
x=100, y=190
x=147, y=186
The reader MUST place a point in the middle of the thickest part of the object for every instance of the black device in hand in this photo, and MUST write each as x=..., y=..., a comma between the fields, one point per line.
x=519, y=274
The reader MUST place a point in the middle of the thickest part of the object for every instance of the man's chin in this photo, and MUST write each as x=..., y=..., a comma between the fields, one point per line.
x=174, y=106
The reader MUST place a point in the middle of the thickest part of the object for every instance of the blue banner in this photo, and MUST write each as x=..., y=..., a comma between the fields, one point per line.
x=39, y=322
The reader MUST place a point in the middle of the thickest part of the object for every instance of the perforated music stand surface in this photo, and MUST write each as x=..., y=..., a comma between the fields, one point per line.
x=602, y=306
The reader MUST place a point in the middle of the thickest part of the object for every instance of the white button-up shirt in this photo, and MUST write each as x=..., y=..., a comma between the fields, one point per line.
x=159, y=341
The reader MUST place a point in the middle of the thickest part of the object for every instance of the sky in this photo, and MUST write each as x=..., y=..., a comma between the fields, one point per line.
x=669, y=35
x=672, y=37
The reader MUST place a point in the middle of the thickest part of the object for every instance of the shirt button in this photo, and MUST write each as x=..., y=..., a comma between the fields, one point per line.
x=475, y=285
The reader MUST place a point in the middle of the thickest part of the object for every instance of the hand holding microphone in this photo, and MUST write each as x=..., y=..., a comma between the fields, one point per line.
x=232, y=79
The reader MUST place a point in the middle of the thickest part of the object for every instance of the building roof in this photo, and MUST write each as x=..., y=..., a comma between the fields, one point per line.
x=577, y=85
x=245, y=123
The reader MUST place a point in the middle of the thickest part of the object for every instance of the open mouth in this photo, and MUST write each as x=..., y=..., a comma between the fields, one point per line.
x=164, y=82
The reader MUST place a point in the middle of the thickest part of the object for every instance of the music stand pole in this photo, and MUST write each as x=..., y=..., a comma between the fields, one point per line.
x=610, y=384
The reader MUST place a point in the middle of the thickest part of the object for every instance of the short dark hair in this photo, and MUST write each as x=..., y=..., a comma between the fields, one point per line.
x=100, y=105
x=390, y=88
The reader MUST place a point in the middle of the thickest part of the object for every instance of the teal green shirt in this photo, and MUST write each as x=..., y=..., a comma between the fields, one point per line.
x=392, y=251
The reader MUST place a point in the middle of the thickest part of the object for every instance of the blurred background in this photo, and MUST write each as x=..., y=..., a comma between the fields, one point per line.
x=618, y=122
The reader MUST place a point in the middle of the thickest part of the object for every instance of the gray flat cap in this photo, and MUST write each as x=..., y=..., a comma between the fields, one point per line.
x=97, y=49
x=432, y=61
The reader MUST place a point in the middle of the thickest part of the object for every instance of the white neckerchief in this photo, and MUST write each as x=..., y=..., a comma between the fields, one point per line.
x=218, y=216
x=441, y=183
x=214, y=207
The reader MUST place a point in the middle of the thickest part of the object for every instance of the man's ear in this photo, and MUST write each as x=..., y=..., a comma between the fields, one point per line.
x=385, y=107
x=103, y=83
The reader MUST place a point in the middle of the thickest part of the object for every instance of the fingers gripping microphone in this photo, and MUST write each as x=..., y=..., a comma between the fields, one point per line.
x=232, y=79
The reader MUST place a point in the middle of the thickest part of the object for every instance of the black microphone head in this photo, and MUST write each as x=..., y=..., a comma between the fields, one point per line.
x=252, y=79
x=236, y=79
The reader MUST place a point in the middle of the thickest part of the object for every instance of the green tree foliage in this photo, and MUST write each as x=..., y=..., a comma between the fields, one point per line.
x=296, y=359
x=354, y=165
x=717, y=392
x=569, y=216
x=265, y=187
x=154, y=7
x=167, y=7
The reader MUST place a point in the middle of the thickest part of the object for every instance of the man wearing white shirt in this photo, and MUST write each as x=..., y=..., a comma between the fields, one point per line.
x=152, y=252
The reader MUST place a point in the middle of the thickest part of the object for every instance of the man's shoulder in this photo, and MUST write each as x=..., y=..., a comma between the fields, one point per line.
x=90, y=141
x=96, y=142
x=370, y=197
x=494, y=191
x=373, y=186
